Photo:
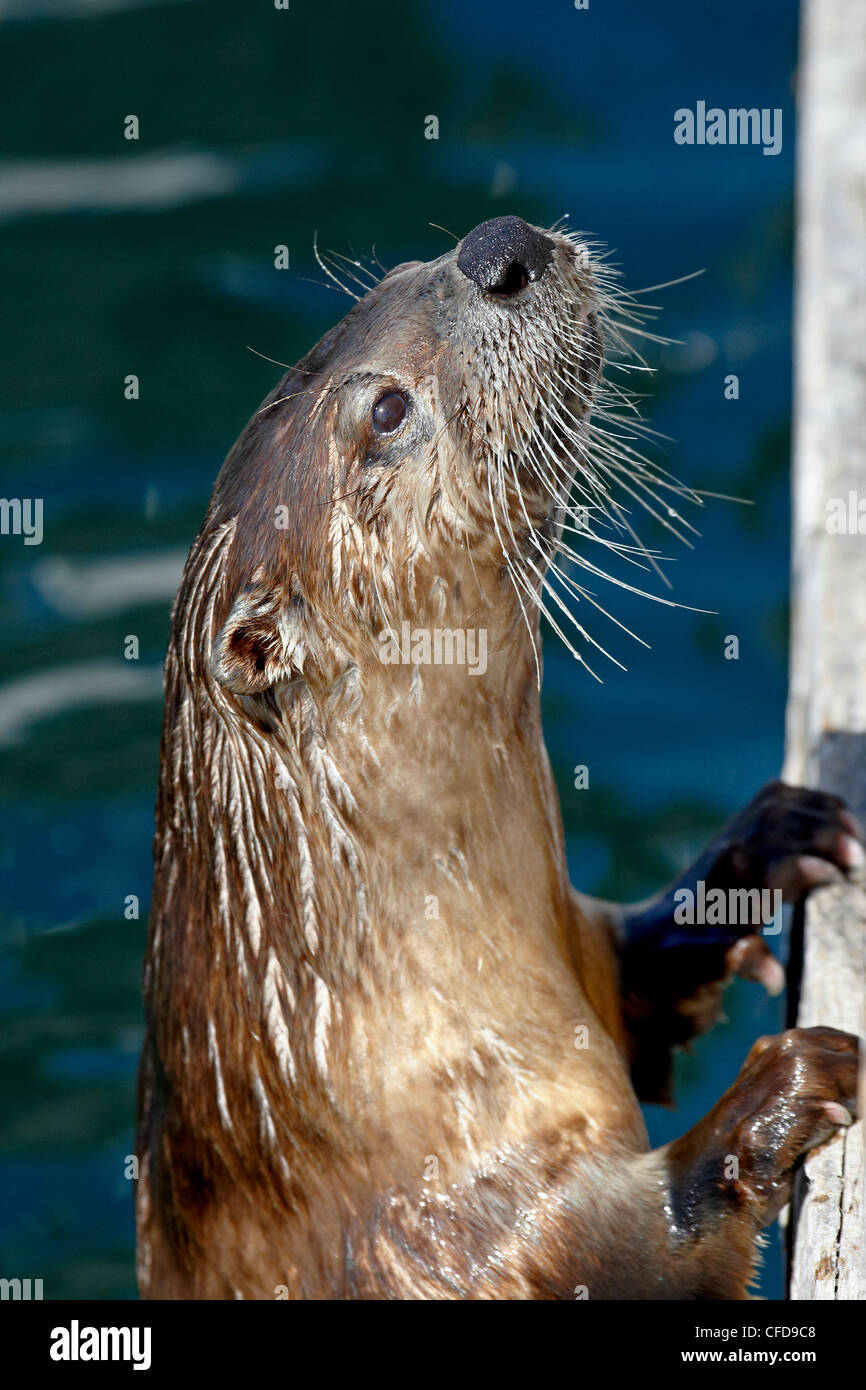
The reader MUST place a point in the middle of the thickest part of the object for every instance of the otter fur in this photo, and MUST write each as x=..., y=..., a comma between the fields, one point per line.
x=366, y=966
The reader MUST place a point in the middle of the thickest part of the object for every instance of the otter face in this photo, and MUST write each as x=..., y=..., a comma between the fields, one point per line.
x=484, y=362
x=435, y=434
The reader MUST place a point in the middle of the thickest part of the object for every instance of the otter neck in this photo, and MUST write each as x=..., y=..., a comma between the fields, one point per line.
x=363, y=875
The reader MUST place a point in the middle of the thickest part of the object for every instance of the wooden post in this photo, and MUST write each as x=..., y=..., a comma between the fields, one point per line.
x=826, y=718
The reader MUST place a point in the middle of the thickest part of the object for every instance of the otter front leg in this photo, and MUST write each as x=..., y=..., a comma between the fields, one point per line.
x=683, y=1222
x=673, y=972
x=731, y=1174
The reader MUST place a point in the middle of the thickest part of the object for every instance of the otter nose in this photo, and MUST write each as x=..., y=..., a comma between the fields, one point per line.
x=504, y=254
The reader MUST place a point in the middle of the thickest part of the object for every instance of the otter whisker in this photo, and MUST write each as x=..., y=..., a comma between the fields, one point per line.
x=568, y=480
x=597, y=452
x=265, y=358
x=331, y=258
x=559, y=223
x=624, y=477
x=631, y=422
x=614, y=517
x=548, y=587
x=628, y=553
x=580, y=592
x=374, y=257
x=329, y=272
x=542, y=608
x=358, y=264
x=644, y=333
x=446, y=425
x=323, y=285
x=280, y=399
x=446, y=230
x=511, y=574
x=463, y=411
x=667, y=284
x=616, y=448
x=631, y=554
x=671, y=512
x=580, y=470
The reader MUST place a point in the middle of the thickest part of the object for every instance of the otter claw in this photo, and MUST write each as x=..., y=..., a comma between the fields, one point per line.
x=837, y=1113
x=751, y=960
x=851, y=853
x=792, y=838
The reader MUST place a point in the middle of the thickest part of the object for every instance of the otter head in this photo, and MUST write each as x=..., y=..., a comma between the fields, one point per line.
x=417, y=464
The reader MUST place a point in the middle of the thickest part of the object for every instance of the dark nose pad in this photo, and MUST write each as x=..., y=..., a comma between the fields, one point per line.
x=504, y=254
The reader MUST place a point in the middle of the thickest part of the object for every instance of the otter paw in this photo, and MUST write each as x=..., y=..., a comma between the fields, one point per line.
x=790, y=838
x=794, y=1090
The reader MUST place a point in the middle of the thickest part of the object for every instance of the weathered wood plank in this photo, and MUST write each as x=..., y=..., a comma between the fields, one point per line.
x=826, y=723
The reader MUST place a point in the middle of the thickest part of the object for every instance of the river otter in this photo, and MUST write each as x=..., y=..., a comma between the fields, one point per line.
x=366, y=968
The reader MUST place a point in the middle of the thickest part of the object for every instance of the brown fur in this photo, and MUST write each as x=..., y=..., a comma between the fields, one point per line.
x=315, y=1039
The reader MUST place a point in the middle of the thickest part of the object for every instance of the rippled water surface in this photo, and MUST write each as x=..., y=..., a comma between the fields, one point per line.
x=259, y=128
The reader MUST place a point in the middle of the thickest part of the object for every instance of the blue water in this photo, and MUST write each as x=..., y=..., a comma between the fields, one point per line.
x=261, y=127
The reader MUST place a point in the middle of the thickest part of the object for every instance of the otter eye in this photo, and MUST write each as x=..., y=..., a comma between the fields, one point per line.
x=389, y=412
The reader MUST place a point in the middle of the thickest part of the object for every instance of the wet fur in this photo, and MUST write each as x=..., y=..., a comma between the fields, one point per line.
x=313, y=1039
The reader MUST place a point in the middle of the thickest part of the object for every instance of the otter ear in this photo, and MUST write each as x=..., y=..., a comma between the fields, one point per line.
x=398, y=269
x=251, y=652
